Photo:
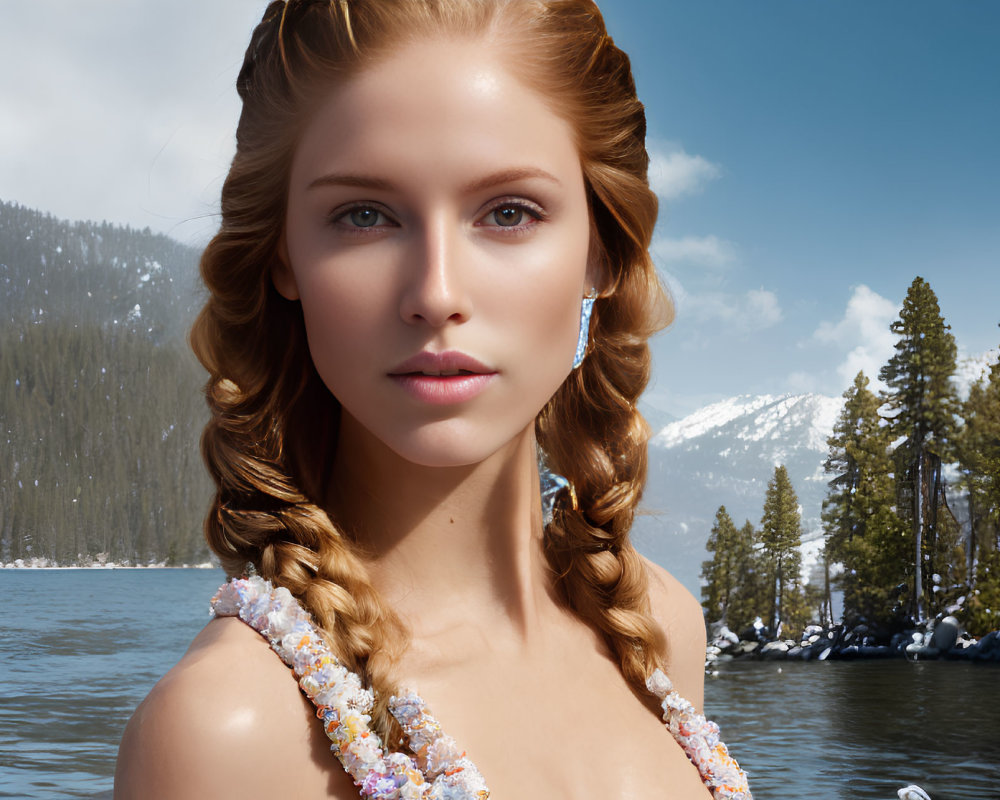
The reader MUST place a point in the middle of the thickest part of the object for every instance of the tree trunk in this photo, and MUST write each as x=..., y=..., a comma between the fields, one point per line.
x=918, y=532
x=970, y=543
x=777, y=605
x=933, y=497
x=826, y=613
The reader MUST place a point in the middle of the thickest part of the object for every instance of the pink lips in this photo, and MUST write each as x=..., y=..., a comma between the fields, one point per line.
x=443, y=378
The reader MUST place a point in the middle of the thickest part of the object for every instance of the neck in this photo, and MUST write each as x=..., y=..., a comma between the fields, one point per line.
x=447, y=544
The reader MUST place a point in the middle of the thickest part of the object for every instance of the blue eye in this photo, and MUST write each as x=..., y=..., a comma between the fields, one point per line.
x=360, y=219
x=363, y=217
x=508, y=216
x=515, y=215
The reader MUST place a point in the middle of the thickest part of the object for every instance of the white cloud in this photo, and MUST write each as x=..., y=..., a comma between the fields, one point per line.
x=868, y=314
x=763, y=308
x=674, y=173
x=110, y=118
x=863, y=332
x=707, y=251
x=727, y=312
x=803, y=383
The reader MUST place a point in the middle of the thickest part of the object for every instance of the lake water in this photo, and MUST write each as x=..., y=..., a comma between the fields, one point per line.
x=80, y=648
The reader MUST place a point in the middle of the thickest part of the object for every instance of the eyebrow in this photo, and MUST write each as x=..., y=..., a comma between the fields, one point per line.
x=498, y=178
x=363, y=181
x=509, y=176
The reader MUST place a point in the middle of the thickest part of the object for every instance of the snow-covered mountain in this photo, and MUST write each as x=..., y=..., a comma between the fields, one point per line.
x=724, y=454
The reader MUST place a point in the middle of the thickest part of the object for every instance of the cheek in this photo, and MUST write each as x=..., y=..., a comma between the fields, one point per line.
x=343, y=319
x=546, y=321
x=540, y=313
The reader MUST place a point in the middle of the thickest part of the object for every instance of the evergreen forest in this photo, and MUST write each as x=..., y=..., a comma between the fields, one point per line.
x=100, y=401
x=911, y=519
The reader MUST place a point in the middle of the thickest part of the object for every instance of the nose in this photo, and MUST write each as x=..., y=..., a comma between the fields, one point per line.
x=435, y=292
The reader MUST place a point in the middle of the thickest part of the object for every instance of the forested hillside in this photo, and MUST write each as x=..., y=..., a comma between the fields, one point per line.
x=100, y=402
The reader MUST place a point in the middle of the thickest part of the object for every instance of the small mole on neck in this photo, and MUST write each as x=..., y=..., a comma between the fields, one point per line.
x=451, y=520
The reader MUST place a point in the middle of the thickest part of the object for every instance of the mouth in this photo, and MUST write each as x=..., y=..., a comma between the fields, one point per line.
x=434, y=374
x=450, y=364
x=448, y=378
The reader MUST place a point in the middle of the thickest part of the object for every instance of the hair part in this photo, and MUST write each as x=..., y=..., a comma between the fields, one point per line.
x=267, y=401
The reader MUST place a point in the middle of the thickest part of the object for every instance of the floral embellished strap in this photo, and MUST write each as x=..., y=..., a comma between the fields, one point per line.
x=699, y=738
x=440, y=770
x=343, y=704
x=438, y=755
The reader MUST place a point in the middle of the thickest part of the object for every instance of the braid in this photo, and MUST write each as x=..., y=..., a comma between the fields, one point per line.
x=259, y=516
x=600, y=445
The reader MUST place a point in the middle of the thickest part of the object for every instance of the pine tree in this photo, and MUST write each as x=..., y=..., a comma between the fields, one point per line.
x=719, y=572
x=749, y=599
x=733, y=587
x=920, y=407
x=864, y=534
x=781, y=535
x=979, y=460
x=982, y=609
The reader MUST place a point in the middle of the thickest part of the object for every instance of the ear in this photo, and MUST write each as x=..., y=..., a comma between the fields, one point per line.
x=282, y=275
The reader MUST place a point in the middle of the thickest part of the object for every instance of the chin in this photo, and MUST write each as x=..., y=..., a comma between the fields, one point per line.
x=448, y=448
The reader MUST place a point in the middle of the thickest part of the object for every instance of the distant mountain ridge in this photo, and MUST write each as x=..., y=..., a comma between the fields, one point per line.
x=724, y=454
x=86, y=273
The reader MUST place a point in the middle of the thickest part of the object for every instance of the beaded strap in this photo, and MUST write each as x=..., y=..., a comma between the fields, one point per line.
x=699, y=738
x=343, y=704
x=439, y=770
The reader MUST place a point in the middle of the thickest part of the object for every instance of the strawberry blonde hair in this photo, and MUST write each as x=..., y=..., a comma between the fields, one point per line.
x=270, y=442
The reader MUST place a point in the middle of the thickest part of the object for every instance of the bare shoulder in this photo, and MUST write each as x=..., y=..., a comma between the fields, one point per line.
x=680, y=615
x=229, y=710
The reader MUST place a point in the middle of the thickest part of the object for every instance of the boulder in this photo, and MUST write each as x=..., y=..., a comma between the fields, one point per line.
x=774, y=651
x=945, y=634
x=746, y=648
x=989, y=644
x=917, y=650
x=848, y=652
x=728, y=636
x=912, y=792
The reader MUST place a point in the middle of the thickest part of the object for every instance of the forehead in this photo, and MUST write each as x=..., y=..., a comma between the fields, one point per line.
x=451, y=104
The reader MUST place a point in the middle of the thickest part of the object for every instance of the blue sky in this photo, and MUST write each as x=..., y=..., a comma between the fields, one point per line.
x=811, y=157
x=847, y=148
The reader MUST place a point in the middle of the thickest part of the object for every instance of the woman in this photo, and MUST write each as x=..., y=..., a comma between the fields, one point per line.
x=432, y=270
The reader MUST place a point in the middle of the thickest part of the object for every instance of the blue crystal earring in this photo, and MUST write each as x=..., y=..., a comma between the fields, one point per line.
x=586, y=309
x=552, y=483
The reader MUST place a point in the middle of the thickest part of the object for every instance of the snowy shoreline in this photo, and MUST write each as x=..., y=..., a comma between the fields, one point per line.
x=938, y=639
x=45, y=564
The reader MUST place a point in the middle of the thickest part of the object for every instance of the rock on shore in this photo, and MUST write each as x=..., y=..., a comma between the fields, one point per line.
x=941, y=638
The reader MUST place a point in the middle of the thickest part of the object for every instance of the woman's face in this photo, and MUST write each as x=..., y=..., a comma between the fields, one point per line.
x=437, y=236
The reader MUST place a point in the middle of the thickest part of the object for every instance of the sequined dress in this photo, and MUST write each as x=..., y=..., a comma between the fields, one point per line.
x=435, y=768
